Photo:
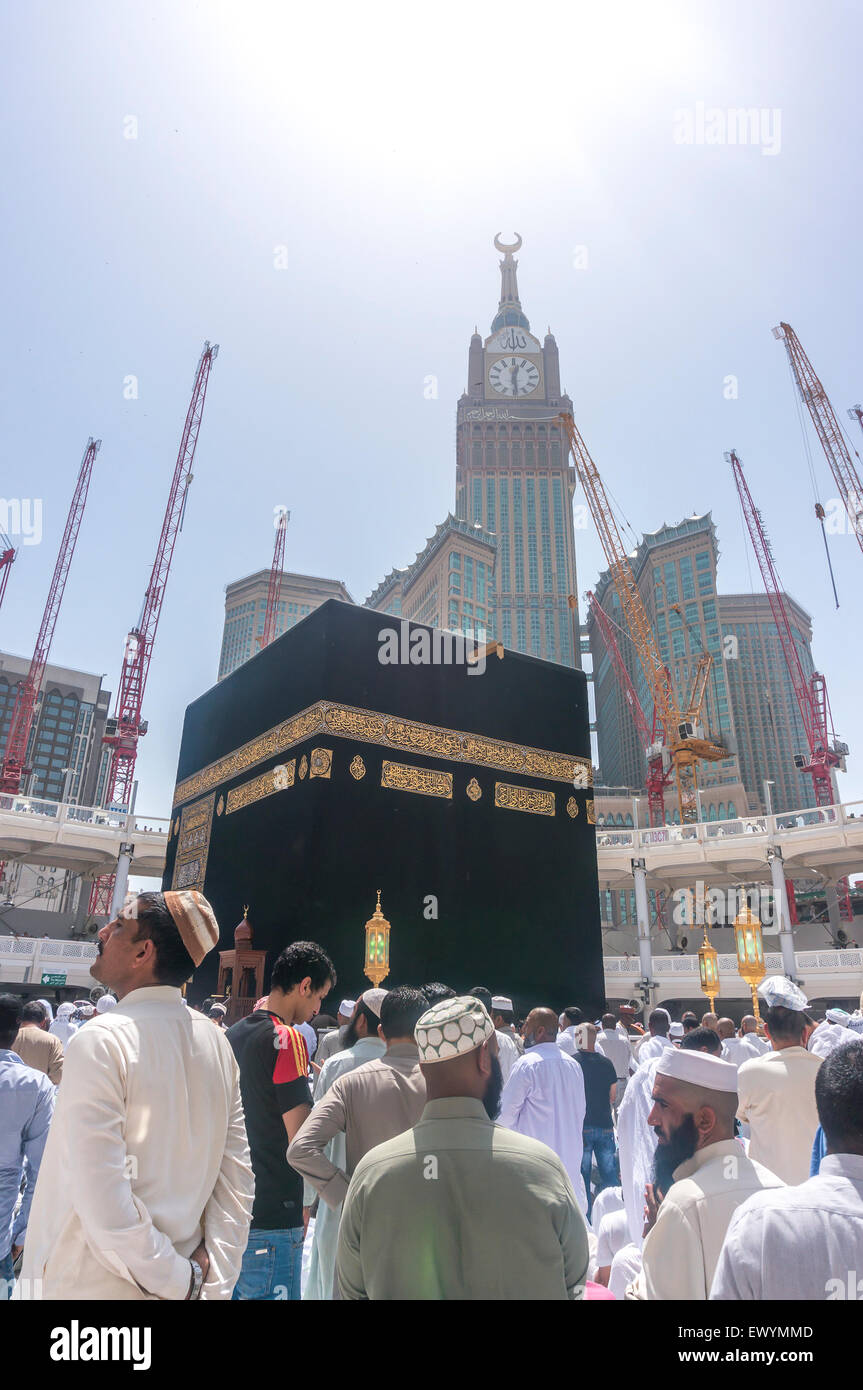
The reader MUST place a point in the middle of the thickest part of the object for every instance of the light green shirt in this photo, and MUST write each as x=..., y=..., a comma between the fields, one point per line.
x=460, y=1208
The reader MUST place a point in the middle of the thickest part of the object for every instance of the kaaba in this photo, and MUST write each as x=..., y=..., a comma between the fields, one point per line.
x=344, y=758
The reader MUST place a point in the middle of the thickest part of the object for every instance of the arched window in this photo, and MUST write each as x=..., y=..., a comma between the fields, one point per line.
x=722, y=810
x=677, y=817
x=629, y=820
x=619, y=819
x=711, y=811
x=732, y=811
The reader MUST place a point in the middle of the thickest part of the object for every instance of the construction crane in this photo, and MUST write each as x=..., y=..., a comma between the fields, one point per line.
x=275, y=586
x=15, y=757
x=658, y=771
x=824, y=752
x=683, y=738
x=828, y=429
x=7, y=556
x=126, y=726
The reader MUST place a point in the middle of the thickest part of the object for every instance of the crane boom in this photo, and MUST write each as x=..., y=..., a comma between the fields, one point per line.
x=7, y=557
x=14, y=761
x=127, y=726
x=827, y=427
x=684, y=744
x=811, y=694
x=274, y=588
x=657, y=776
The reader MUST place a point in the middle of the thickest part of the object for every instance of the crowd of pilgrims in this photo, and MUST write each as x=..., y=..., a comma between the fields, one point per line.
x=422, y=1143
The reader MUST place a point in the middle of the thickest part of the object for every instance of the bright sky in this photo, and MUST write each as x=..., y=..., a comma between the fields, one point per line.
x=319, y=193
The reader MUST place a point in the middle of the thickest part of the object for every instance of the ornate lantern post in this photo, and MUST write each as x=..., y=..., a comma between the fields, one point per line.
x=377, y=962
x=750, y=953
x=708, y=968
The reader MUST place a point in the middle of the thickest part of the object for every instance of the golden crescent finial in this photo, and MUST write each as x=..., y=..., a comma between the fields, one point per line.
x=501, y=246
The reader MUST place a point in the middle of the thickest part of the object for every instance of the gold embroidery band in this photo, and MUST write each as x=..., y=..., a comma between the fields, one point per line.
x=523, y=799
x=406, y=735
x=401, y=778
x=193, y=846
x=278, y=779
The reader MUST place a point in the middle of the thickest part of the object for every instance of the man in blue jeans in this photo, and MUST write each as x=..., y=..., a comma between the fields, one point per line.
x=274, y=1084
x=26, y=1108
x=600, y=1084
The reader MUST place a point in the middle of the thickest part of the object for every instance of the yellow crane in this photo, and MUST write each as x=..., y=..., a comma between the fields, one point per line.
x=684, y=740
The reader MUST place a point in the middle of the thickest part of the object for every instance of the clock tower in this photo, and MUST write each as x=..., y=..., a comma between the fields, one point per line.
x=514, y=480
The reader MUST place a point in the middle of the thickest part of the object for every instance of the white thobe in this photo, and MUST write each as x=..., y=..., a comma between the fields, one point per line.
x=798, y=1243
x=625, y=1267
x=544, y=1099
x=320, y=1282
x=147, y=1156
x=653, y=1048
x=608, y=1200
x=827, y=1037
x=507, y=1053
x=613, y=1235
x=776, y=1095
x=617, y=1049
x=681, y=1251
x=566, y=1040
x=738, y=1051
x=760, y=1045
x=636, y=1144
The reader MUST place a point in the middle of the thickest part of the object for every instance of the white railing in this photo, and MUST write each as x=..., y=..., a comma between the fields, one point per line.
x=63, y=812
x=787, y=823
x=688, y=965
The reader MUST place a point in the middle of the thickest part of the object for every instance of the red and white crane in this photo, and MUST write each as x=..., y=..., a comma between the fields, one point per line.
x=23, y=713
x=658, y=777
x=828, y=429
x=275, y=586
x=126, y=726
x=7, y=557
x=825, y=753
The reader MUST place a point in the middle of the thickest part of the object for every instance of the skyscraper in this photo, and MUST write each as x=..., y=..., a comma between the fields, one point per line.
x=503, y=566
x=246, y=607
x=513, y=477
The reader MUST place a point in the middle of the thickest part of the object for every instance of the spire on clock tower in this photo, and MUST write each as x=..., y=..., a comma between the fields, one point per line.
x=509, y=311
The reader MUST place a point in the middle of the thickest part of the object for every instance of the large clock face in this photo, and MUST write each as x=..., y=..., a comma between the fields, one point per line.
x=513, y=376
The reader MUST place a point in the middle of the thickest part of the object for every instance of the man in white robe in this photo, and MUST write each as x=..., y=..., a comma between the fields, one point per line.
x=702, y=1175
x=325, y=1235
x=145, y=1188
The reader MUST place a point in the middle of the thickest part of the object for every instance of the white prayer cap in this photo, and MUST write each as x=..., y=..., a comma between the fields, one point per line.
x=698, y=1069
x=452, y=1027
x=65, y=1010
x=663, y=1011
x=840, y=1016
x=676, y=1030
x=213, y=1009
x=502, y=1001
x=778, y=990
x=105, y=1004
x=346, y=1008
x=373, y=998
x=855, y=1022
x=86, y=1010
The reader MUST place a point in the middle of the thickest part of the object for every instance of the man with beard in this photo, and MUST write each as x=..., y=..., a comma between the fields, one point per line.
x=483, y=1212
x=701, y=1175
x=334, y=1040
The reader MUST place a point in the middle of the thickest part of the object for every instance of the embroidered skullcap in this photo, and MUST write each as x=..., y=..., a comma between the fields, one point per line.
x=346, y=1008
x=195, y=921
x=217, y=1009
x=452, y=1027
x=698, y=1069
x=502, y=1001
x=105, y=1004
x=86, y=1010
x=776, y=990
x=373, y=998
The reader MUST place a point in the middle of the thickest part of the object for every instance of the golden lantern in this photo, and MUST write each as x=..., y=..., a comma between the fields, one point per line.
x=750, y=953
x=377, y=963
x=708, y=969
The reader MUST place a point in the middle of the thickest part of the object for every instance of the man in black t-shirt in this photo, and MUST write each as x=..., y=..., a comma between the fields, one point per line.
x=600, y=1083
x=274, y=1084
